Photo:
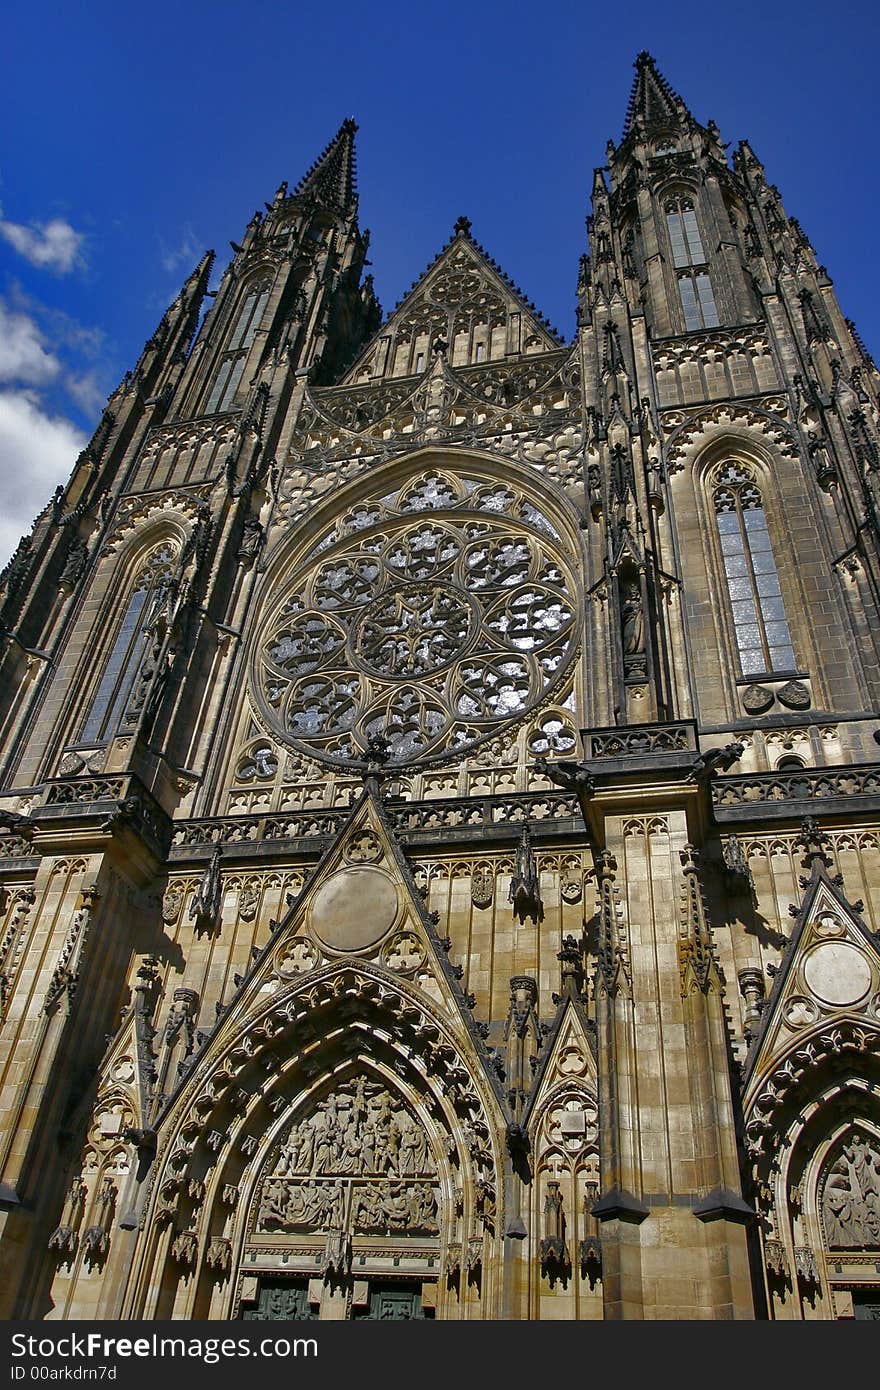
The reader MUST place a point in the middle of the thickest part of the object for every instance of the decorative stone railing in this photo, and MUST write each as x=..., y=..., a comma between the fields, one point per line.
x=639, y=740
x=777, y=794
x=491, y=816
x=120, y=798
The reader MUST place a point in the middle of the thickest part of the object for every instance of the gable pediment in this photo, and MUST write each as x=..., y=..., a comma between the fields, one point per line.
x=829, y=974
x=359, y=908
x=464, y=300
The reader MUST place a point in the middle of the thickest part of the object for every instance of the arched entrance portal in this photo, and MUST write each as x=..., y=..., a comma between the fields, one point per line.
x=336, y=1157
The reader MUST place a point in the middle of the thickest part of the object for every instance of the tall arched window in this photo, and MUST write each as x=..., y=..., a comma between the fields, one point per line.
x=691, y=264
x=127, y=652
x=762, y=635
x=231, y=364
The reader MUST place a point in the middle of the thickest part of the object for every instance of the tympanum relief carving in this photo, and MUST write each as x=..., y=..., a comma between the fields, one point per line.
x=361, y=1161
x=851, y=1198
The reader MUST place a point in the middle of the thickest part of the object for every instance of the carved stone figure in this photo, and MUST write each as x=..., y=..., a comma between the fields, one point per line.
x=205, y=906
x=395, y=1206
x=294, y=1206
x=251, y=540
x=482, y=886
x=851, y=1199
x=75, y=563
x=632, y=619
x=181, y=1021
x=554, y=1250
x=359, y=1129
x=525, y=884
x=172, y=901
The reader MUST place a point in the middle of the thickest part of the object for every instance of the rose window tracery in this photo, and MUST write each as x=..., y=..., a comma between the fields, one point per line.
x=427, y=630
x=412, y=631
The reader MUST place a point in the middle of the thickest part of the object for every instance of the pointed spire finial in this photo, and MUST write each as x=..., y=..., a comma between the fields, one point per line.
x=462, y=226
x=373, y=766
x=652, y=102
x=815, y=843
x=332, y=177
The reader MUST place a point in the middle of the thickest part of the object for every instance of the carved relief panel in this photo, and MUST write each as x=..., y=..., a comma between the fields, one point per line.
x=851, y=1196
x=361, y=1162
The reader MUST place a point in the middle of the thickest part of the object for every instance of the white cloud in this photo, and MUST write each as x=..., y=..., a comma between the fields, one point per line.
x=23, y=356
x=55, y=324
x=186, y=254
x=26, y=329
x=37, y=452
x=52, y=245
x=87, y=390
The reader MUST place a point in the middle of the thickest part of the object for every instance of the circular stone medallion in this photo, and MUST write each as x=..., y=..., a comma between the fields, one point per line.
x=354, y=909
x=837, y=973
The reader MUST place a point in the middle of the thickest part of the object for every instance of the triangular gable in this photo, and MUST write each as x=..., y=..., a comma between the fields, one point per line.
x=626, y=552
x=360, y=904
x=465, y=300
x=567, y=1062
x=830, y=972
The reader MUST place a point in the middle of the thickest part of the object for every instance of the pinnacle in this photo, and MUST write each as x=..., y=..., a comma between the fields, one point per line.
x=652, y=102
x=195, y=286
x=332, y=177
x=205, y=264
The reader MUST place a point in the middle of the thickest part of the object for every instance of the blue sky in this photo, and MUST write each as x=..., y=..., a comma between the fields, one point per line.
x=138, y=136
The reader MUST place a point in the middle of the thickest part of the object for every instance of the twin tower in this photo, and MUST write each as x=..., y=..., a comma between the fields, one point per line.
x=439, y=796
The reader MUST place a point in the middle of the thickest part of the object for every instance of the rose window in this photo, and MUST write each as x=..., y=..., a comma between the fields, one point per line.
x=414, y=630
x=431, y=633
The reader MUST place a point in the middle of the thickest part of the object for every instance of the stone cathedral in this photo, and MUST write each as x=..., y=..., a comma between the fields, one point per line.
x=440, y=793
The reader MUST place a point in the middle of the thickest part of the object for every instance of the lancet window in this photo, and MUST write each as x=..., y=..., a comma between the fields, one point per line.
x=231, y=365
x=762, y=633
x=691, y=265
x=129, y=647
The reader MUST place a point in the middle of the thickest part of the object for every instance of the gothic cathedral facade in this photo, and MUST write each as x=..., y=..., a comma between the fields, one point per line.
x=439, y=761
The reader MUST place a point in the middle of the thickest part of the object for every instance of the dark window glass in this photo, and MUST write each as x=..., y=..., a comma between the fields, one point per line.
x=763, y=638
x=690, y=260
x=221, y=397
x=127, y=652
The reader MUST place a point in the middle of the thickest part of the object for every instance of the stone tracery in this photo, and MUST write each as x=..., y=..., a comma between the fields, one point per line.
x=376, y=633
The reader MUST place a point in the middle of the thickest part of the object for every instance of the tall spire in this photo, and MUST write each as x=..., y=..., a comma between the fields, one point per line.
x=332, y=178
x=180, y=320
x=196, y=285
x=652, y=101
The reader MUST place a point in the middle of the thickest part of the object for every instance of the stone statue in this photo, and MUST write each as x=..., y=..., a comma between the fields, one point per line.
x=632, y=620
x=251, y=540
x=851, y=1201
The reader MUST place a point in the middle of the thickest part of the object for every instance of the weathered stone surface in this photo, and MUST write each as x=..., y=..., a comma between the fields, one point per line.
x=439, y=864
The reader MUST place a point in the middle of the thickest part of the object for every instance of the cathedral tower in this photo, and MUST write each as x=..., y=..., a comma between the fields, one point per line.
x=439, y=834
